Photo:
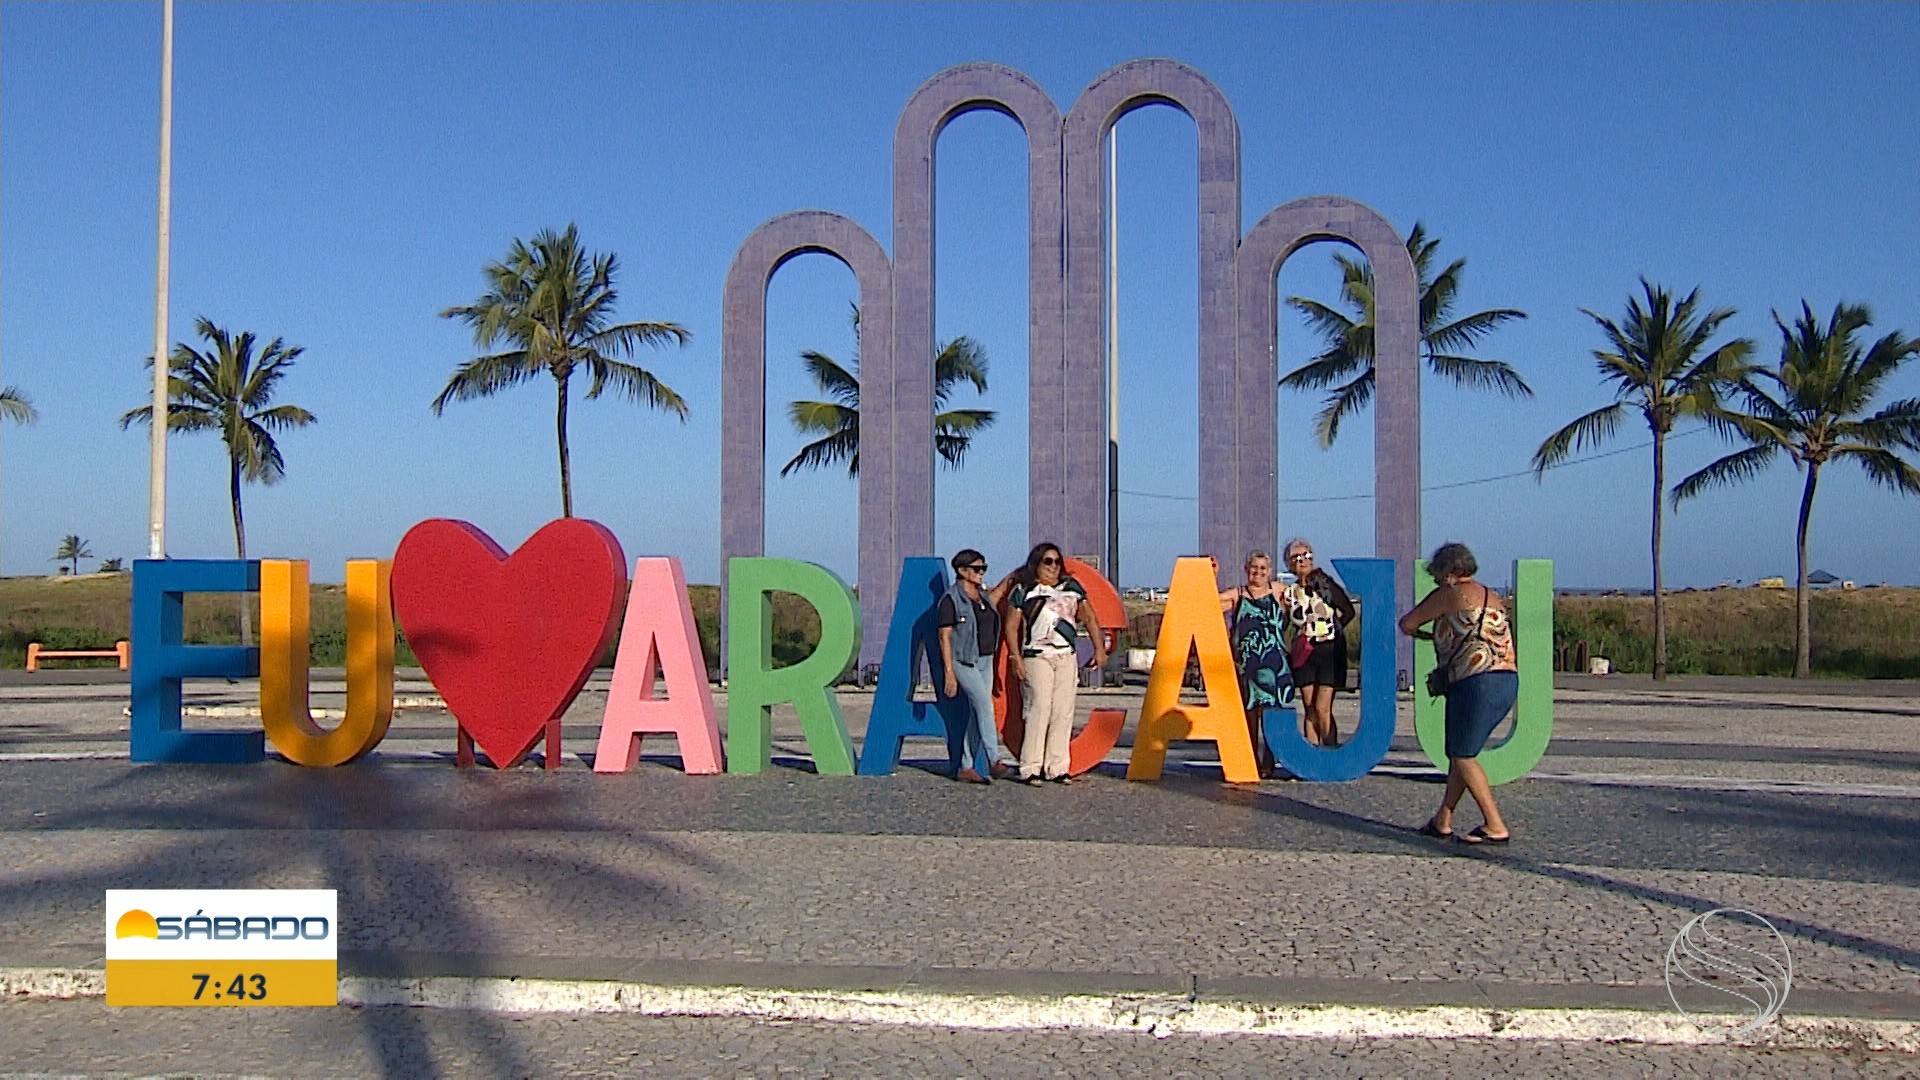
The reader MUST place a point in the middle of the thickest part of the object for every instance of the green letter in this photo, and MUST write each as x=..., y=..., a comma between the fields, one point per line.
x=755, y=686
x=1533, y=651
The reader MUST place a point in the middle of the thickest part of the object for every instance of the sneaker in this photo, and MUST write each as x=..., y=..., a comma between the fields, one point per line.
x=968, y=776
x=1032, y=781
x=1063, y=778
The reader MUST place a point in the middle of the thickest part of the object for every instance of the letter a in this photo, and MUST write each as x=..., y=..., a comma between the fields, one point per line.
x=284, y=710
x=659, y=634
x=1192, y=623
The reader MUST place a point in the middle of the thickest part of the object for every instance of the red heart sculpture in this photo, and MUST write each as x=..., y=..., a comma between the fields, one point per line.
x=508, y=640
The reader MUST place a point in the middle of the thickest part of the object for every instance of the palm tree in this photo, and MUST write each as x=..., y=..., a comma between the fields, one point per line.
x=228, y=389
x=1654, y=363
x=16, y=406
x=551, y=303
x=1443, y=338
x=1810, y=406
x=72, y=550
x=837, y=421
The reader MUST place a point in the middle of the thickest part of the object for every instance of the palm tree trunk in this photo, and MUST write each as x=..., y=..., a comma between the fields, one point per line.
x=240, y=548
x=566, y=463
x=1802, y=606
x=1659, y=587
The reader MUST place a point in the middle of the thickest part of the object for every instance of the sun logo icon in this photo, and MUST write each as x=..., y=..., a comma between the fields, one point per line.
x=136, y=923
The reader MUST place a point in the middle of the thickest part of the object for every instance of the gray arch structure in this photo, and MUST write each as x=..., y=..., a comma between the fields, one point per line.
x=1237, y=363
x=743, y=392
x=1396, y=432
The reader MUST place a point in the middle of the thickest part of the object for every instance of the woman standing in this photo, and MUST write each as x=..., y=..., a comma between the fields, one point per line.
x=1473, y=643
x=969, y=636
x=1049, y=611
x=1257, y=623
x=1318, y=611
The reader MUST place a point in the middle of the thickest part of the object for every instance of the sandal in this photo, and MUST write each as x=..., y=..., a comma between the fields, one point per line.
x=1479, y=836
x=1429, y=829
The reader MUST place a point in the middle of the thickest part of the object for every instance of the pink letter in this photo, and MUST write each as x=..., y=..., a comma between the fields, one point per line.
x=653, y=636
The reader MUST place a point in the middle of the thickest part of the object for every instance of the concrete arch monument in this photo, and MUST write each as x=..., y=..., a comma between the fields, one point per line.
x=743, y=392
x=952, y=93
x=1115, y=93
x=1237, y=364
x=1396, y=417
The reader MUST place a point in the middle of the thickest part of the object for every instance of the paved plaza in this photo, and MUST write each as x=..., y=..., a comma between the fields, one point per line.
x=1165, y=899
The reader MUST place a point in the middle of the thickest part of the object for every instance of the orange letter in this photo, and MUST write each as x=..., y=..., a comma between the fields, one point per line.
x=283, y=662
x=1192, y=622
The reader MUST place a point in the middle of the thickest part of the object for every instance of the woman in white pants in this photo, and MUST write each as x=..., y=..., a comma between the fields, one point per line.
x=1049, y=610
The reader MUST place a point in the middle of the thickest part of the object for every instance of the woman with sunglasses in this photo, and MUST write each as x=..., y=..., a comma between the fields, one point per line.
x=969, y=625
x=1318, y=611
x=1049, y=612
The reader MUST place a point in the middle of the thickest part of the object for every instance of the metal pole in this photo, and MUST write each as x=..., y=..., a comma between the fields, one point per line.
x=1113, y=356
x=157, y=462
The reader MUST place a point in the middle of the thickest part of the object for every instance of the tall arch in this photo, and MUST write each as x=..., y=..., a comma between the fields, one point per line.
x=743, y=394
x=1114, y=94
x=1396, y=343
x=952, y=93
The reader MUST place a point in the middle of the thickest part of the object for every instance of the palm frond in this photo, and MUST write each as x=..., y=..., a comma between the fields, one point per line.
x=633, y=381
x=16, y=406
x=811, y=417
x=1896, y=425
x=963, y=423
x=1466, y=332
x=484, y=376
x=838, y=382
x=840, y=446
x=1321, y=319
x=1340, y=404
x=1329, y=368
x=1883, y=467
x=1593, y=428
x=1729, y=470
x=1480, y=374
x=628, y=338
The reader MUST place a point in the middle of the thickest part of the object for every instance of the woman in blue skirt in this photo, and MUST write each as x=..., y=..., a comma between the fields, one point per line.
x=1473, y=644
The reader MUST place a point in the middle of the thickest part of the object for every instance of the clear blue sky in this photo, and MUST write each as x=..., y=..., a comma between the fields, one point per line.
x=342, y=172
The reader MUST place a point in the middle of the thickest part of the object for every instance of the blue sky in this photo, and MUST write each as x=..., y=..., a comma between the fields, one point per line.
x=343, y=171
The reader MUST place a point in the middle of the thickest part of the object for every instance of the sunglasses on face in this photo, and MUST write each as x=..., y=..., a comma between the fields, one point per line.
x=1299, y=555
x=1050, y=560
x=978, y=567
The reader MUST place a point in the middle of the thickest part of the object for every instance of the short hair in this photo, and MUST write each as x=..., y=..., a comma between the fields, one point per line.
x=1252, y=555
x=1286, y=550
x=1452, y=559
x=966, y=557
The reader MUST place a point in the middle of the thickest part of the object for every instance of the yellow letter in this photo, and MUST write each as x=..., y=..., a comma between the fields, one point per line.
x=283, y=662
x=1192, y=622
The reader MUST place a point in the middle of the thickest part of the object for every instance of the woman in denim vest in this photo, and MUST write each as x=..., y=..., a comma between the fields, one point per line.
x=969, y=635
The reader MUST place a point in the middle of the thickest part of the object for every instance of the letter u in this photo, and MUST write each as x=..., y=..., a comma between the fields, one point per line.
x=284, y=710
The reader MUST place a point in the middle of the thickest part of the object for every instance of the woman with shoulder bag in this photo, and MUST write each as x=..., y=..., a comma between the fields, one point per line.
x=1473, y=643
x=1318, y=612
x=1049, y=611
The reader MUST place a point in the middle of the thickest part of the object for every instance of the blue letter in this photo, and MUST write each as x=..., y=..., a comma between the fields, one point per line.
x=896, y=717
x=1371, y=582
x=161, y=660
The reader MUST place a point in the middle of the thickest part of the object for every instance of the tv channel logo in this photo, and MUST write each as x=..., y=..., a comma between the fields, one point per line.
x=222, y=947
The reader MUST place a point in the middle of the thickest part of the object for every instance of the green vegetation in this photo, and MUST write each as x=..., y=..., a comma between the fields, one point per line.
x=1347, y=364
x=228, y=390
x=1653, y=361
x=551, y=302
x=1863, y=633
x=837, y=422
x=1825, y=381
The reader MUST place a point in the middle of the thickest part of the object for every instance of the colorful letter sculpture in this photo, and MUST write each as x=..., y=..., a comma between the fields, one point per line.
x=509, y=641
x=1192, y=621
x=1532, y=615
x=896, y=717
x=1371, y=583
x=161, y=661
x=659, y=635
x=1096, y=740
x=284, y=645
x=755, y=686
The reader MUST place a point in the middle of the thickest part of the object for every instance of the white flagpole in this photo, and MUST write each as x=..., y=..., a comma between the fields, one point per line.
x=157, y=463
x=1113, y=356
